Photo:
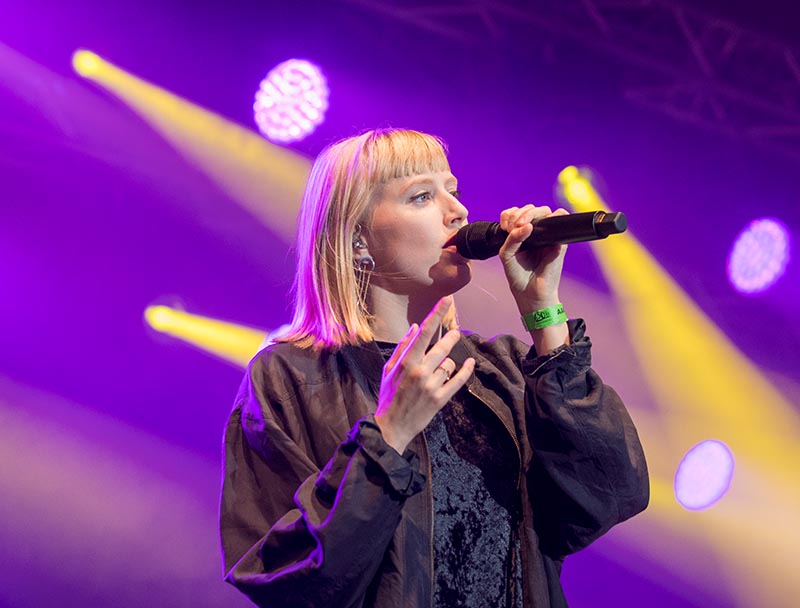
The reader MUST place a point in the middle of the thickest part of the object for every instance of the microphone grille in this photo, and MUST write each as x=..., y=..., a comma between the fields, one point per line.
x=477, y=240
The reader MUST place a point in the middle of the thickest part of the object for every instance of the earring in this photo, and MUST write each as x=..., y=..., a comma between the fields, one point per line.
x=357, y=242
x=366, y=263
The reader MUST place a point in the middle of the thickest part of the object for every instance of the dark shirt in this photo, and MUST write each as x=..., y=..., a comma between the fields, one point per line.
x=476, y=555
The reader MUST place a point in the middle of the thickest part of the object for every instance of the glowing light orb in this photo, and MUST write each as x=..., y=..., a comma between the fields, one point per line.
x=159, y=317
x=291, y=101
x=704, y=475
x=85, y=62
x=568, y=174
x=759, y=256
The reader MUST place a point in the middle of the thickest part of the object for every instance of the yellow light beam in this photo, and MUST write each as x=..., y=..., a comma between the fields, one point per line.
x=229, y=341
x=265, y=179
x=706, y=389
x=693, y=367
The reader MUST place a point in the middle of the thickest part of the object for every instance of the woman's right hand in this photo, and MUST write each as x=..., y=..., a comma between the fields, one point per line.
x=416, y=384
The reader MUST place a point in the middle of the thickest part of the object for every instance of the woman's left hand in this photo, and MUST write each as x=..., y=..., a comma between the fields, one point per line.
x=534, y=275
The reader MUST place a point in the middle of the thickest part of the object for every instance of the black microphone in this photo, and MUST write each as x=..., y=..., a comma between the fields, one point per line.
x=481, y=240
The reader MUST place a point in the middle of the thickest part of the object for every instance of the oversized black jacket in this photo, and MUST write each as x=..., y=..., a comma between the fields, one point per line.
x=317, y=510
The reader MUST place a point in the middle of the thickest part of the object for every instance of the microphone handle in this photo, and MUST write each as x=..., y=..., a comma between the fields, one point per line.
x=482, y=240
x=574, y=228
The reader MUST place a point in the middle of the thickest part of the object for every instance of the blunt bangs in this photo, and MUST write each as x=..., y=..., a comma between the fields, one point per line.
x=395, y=153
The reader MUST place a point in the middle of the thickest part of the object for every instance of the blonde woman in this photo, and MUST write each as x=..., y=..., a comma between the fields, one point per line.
x=377, y=456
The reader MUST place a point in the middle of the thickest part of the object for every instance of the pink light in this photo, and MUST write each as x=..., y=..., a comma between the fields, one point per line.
x=759, y=256
x=291, y=101
x=704, y=475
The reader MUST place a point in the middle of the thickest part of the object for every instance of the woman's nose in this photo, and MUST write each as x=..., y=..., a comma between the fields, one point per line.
x=457, y=213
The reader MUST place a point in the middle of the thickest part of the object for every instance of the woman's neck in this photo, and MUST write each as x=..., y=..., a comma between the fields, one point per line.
x=394, y=313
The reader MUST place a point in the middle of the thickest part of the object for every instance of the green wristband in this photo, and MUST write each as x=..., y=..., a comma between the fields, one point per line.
x=545, y=317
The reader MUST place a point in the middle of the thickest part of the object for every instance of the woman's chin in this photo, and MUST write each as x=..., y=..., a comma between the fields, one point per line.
x=452, y=279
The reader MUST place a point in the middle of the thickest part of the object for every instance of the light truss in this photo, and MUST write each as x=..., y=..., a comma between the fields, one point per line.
x=700, y=69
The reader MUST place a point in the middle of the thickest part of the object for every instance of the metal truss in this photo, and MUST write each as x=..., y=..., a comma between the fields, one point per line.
x=701, y=69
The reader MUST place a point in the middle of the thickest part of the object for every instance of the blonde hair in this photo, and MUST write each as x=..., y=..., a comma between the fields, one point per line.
x=330, y=293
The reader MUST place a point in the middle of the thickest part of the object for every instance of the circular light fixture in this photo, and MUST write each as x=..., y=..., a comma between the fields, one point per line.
x=704, y=475
x=759, y=256
x=291, y=101
x=86, y=63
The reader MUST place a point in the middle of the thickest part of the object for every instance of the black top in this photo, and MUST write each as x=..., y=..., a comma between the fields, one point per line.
x=476, y=555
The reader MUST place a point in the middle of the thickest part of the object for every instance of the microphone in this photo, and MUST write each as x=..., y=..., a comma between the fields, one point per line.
x=481, y=240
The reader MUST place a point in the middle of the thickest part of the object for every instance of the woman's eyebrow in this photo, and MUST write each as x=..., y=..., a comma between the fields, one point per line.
x=429, y=181
x=418, y=181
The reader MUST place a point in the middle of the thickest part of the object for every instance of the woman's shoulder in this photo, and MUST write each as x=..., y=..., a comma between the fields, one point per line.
x=272, y=387
x=285, y=363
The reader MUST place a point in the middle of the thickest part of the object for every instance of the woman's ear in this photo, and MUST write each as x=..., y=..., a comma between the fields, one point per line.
x=363, y=260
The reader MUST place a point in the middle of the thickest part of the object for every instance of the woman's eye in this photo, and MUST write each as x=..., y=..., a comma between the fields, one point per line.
x=456, y=194
x=422, y=197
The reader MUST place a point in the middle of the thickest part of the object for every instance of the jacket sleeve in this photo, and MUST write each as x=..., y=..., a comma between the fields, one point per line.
x=295, y=535
x=588, y=471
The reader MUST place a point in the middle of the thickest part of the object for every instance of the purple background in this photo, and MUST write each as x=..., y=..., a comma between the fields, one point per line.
x=110, y=433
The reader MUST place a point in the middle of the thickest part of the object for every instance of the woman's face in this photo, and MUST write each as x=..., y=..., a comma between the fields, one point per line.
x=412, y=220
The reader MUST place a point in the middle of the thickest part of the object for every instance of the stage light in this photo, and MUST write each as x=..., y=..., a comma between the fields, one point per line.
x=229, y=341
x=159, y=317
x=704, y=475
x=575, y=186
x=85, y=63
x=266, y=179
x=759, y=256
x=291, y=101
x=702, y=387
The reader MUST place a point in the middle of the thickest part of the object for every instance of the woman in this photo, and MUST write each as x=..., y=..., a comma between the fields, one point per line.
x=376, y=456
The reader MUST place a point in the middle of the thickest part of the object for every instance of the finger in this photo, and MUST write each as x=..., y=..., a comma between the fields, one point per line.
x=452, y=386
x=530, y=213
x=401, y=347
x=441, y=350
x=442, y=373
x=523, y=227
x=522, y=216
x=447, y=368
x=428, y=328
x=515, y=239
x=507, y=217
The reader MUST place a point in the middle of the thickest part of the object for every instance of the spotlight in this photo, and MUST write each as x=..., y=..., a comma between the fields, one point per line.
x=229, y=341
x=160, y=318
x=85, y=63
x=291, y=101
x=759, y=256
x=704, y=475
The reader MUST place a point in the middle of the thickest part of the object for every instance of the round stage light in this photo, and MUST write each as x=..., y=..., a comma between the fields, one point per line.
x=159, y=317
x=704, y=475
x=759, y=256
x=85, y=62
x=291, y=101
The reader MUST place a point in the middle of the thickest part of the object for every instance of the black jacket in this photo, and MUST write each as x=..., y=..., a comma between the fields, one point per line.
x=317, y=510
